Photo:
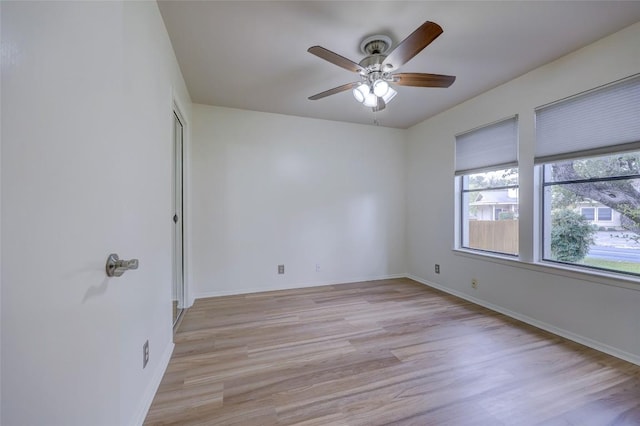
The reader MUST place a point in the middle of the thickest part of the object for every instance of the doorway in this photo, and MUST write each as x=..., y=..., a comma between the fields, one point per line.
x=178, y=293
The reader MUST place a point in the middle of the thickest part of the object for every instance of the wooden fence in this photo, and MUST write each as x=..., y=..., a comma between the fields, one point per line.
x=494, y=235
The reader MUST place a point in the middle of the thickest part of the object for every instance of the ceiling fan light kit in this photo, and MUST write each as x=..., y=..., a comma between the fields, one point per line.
x=370, y=100
x=368, y=95
x=380, y=88
x=361, y=92
x=376, y=69
x=389, y=95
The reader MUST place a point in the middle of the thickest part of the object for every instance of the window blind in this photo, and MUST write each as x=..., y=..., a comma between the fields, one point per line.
x=492, y=146
x=590, y=123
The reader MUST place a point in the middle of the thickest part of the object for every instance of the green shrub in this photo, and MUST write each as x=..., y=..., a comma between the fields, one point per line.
x=571, y=236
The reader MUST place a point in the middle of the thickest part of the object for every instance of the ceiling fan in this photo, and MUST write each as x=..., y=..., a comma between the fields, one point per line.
x=377, y=68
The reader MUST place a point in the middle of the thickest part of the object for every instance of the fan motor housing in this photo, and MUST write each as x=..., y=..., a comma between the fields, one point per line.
x=375, y=45
x=373, y=62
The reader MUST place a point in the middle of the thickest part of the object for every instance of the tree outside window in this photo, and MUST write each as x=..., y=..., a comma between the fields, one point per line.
x=611, y=185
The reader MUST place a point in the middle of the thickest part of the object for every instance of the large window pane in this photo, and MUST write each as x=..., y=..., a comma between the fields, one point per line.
x=490, y=211
x=592, y=212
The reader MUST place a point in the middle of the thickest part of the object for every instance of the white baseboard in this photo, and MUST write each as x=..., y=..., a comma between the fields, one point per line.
x=610, y=350
x=154, y=384
x=249, y=290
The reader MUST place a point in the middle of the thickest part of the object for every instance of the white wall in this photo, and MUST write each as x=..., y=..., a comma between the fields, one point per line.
x=1, y=70
x=87, y=92
x=587, y=309
x=270, y=189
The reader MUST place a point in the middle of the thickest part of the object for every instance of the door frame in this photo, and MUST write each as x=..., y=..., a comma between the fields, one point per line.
x=177, y=109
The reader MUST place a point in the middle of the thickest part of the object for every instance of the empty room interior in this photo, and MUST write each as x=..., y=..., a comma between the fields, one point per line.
x=320, y=213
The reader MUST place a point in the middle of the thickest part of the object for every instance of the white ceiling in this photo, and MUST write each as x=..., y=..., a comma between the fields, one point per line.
x=253, y=55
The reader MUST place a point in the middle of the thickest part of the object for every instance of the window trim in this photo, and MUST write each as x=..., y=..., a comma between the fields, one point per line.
x=586, y=269
x=460, y=212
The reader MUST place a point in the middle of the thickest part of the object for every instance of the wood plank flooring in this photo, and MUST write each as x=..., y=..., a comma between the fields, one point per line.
x=382, y=352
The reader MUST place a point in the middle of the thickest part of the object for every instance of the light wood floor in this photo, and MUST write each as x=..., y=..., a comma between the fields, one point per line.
x=382, y=352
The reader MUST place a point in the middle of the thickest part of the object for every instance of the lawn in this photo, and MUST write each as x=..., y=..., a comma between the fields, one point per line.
x=633, y=267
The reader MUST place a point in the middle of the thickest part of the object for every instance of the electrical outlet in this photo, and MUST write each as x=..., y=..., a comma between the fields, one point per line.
x=437, y=268
x=280, y=269
x=317, y=267
x=145, y=354
x=474, y=283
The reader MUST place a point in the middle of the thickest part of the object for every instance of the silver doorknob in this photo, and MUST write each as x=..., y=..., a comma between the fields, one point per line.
x=116, y=267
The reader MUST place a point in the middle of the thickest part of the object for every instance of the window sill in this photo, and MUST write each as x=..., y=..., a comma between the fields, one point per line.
x=599, y=277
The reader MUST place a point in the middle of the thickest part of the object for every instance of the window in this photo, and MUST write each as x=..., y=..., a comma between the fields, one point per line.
x=588, y=213
x=574, y=234
x=490, y=211
x=588, y=147
x=486, y=166
x=604, y=214
x=587, y=157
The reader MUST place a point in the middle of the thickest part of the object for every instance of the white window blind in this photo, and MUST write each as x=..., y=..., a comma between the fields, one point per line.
x=491, y=146
x=590, y=123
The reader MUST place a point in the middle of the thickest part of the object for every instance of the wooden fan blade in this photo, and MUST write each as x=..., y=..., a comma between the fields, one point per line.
x=335, y=59
x=418, y=79
x=333, y=91
x=412, y=45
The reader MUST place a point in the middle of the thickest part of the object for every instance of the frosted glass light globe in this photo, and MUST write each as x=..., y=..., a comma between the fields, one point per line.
x=361, y=92
x=380, y=88
x=370, y=100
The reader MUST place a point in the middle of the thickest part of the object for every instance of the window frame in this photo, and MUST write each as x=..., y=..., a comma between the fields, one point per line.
x=587, y=269
x=461, y=213
x=531, y=248
x=598, y=122
x=498, y=141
